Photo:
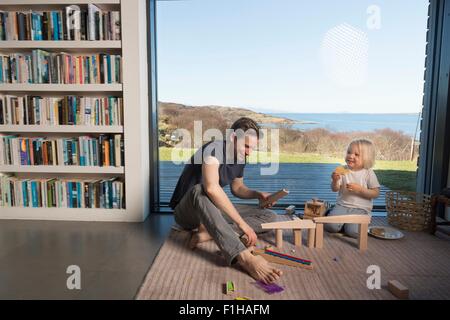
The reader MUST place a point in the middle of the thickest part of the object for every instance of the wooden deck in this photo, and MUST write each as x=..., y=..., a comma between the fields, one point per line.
x=304, y=181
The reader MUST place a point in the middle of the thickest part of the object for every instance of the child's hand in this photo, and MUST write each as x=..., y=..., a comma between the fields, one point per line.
x=335, y=177
x=354, y=187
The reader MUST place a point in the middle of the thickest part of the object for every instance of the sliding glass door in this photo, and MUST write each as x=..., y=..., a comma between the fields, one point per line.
x=315, y=75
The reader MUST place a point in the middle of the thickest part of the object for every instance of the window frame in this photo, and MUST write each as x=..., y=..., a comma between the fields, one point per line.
x=433, y=161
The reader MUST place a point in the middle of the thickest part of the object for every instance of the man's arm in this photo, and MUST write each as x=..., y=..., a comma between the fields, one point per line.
x=240, y=190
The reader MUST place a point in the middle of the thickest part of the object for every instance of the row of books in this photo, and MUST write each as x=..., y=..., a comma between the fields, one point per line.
x=67, y=110
x=47, y=67
x=104, y=150
x=61, y=193
x=72, y=23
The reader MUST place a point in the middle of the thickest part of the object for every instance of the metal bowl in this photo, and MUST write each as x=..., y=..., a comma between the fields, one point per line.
x=387, y=233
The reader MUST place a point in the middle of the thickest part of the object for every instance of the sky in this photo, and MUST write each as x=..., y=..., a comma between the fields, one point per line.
x=297, y=56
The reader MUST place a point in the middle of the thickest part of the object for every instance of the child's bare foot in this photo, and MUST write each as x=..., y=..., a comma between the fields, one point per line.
x=198, y=237
x=258, y=268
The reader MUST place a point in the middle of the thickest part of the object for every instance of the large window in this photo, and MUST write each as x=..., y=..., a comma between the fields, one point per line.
x=319, y=73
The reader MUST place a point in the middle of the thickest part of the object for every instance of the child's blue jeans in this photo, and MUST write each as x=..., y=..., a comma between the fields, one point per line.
x=350, y=229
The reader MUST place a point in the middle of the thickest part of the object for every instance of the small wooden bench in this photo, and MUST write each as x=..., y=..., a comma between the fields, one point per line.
x=362, y=220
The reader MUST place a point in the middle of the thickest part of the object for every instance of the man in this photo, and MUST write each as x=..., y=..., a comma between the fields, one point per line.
x=199, y=201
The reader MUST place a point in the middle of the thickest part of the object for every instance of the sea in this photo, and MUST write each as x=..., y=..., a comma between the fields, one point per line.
x=345, y=122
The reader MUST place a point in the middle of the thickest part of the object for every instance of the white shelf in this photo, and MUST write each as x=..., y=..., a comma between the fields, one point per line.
x=63, y=44
x=66, y=214
x=64, y=2
x=62, y=169
x=134, y=91
x=61, y=129
x=61, y=87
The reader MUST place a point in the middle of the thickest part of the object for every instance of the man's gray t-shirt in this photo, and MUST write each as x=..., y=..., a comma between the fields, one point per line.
x=192, y=172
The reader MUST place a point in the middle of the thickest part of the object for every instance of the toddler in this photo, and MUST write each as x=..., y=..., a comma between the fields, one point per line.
x=357, y=186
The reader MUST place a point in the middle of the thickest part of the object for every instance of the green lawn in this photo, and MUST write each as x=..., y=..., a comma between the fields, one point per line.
x=165, y=154
x=396, y=175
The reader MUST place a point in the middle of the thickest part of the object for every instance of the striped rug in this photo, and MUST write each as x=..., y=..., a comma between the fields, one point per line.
x=420, y=261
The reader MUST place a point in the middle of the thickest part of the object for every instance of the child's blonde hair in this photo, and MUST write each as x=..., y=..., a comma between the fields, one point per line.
x=366, y=150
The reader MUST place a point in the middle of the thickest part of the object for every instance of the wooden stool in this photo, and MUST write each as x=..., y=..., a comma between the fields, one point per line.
x=297, y=226
x=362, y=220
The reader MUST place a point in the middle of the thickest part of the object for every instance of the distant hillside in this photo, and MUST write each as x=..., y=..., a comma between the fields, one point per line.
x=173, y=116
x=230, y=114
x=390, y=144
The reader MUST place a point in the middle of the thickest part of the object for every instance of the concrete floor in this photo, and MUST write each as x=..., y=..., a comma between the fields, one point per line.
x=113, y=257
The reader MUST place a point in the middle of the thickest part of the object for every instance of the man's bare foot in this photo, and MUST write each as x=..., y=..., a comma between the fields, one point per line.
x=198, y=237
x=258, y=268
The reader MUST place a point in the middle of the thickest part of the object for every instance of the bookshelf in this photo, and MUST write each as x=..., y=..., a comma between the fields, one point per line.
x=60, y=44
x=57, y=2
x=61, y=169
x=133, y=90
x=77, y=88
x=61, y=129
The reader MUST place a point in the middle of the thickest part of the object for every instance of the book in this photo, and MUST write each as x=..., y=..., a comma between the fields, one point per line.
x=37, y=18
x=21, y=26
x=73, y=22
x=2, y=25
x=117, y=150
x=93, y=12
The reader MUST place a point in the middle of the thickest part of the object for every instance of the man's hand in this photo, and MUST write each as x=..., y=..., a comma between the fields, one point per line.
x=263, y=196
x=354, y=188
x=250, y=233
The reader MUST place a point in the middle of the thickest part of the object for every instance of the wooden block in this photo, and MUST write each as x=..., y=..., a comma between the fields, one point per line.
x=351, y=218
x=398, y=289
x=363, y=229
x=314, y=209
x=279, y=238
x=311, y=237
x=291, y=224
x=319, y=235
x=278, y=260
x=298, y=237
x=362, y=221
x=275, y=197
